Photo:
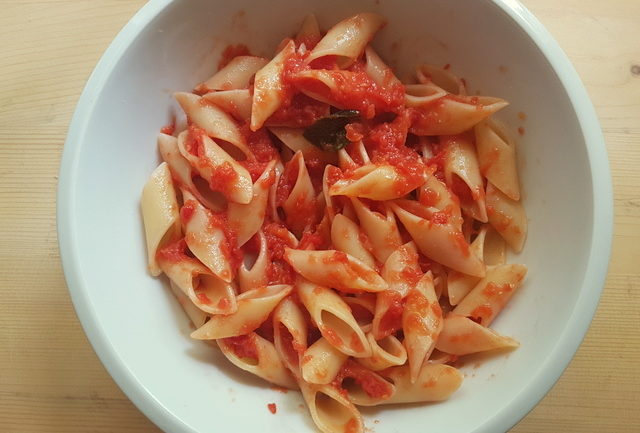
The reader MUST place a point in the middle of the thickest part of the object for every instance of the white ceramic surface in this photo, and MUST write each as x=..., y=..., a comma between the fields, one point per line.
x=137, y=328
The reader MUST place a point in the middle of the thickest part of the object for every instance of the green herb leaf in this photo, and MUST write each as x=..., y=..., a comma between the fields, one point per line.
x=328, y=133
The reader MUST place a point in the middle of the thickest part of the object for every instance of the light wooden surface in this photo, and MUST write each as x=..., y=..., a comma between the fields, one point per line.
x=50, y=378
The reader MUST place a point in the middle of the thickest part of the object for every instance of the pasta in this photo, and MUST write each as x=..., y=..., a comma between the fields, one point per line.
x=335, y=230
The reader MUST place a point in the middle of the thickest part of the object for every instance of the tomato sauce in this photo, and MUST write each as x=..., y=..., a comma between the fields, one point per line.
x=229, y=246
x=287, y=181
x=272, y=408
x=231, y=52
x=312, y=241
x=460, y=242
x=352, y=426
x=277, y=237
x=202, y=297
x=429, y=197
x=391, y=321
x=332, y=336
x=187, y=211
x=223, y=178
x=371, y=384
x=169, y=129
x=481, y=314
x=300, y=111
x=173, y=252
x=194, y=142
x=355, y=343
x=243, y=346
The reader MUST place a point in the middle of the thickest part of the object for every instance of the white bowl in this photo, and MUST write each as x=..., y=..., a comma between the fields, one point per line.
x=137, y=328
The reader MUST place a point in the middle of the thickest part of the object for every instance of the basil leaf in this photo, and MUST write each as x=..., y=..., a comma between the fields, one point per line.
x=328, y=133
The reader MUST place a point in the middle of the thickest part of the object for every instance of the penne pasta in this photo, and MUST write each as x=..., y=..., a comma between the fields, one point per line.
x=213, y=120
x=507, y=216
x=334, y=319
x=205, y=237
x=252, y=353
x=381, y=229
x=223, y=173
x=246, y=219
x=254, y=308
x=497, y=158
x=383, y=182
x=450, y=115
x=386, y=352
x=184, y=174
x=421, y=323
x=462, y=174
x=435, y=382
x=440, y=241
x=235, y=102
x=237, y=74
x=206, y=291
x=462, y=336
x=346, y=237
x=255, y=275
x=331, y=268
x=336, y=230
x=290, y=334
x=330, y=410
x=321, y=362
x=492, y=293
x=159, y=213
x=269, y=90
x=196, y=315
x=348, y=39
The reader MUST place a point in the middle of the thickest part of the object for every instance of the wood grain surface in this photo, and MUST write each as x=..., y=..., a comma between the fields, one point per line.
x=50, y=378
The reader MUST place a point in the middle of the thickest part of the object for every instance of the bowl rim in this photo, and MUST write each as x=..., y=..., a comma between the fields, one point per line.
x=559, y=357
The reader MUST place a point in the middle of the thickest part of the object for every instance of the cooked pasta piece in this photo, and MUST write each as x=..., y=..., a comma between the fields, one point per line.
x=346, y=237
x=254, y=308
x=205, y=290
x=507, y=216
x=335, y=269
x=196, y=315
x=492, y=293
x=334, y=319
x=184, y=175
x=331, y=411
x=435, y=382
x=269, y=90
x=386, y=352
x=450, y=115
x=213, y=120
x=204, y=234
x=421, y=323
x=252, y=353
x=348, y=39
x=236, y=102
x=321, y=362
x=246, y=219
x=462, y=336
x=237, y=74
x=160, y=213
x=290, y=334
x=381, y=229
x=440, y=241
x=462, y=174
x=255, y=275
x=497, y=158
x=216, y=166
x=459, y=284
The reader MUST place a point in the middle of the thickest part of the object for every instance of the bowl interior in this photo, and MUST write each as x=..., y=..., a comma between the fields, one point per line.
x=142, y=325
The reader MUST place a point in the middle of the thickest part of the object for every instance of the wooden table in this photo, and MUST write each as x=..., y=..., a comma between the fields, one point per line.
x=50, y=378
